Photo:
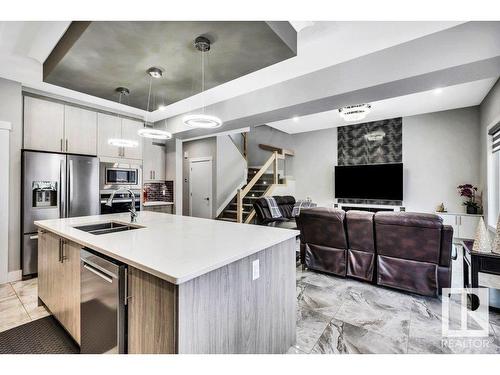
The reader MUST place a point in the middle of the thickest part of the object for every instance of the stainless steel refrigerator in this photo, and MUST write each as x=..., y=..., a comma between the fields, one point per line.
x=54, y=186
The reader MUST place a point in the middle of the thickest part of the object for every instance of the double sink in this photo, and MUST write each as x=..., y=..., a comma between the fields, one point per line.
x=106, y=228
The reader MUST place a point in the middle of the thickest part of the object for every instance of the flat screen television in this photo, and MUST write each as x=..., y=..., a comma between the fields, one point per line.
x=375, y=181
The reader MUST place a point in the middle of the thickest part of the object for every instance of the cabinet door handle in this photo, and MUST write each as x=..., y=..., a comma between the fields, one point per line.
x=154, y=175
x=66, y=144
x=62, y=145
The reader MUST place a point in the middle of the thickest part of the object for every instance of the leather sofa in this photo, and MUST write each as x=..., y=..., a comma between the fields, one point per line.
x=401, y=250
x=285, y=204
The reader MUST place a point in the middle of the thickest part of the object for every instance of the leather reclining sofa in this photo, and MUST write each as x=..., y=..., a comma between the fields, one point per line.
x=285, y=204
x=401, y=250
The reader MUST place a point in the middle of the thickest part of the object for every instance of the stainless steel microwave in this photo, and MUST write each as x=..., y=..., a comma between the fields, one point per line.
x=115, y=175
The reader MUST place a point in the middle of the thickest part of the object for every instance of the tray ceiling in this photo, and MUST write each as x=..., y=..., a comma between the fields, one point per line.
x=97, y=57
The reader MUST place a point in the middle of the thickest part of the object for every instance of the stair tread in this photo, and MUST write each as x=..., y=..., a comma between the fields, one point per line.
x=227, y=219
x=234, y=212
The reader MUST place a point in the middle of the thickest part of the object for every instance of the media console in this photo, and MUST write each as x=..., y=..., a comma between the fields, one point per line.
x=367, y=207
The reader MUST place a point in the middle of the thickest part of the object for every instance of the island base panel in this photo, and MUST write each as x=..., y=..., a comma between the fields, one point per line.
x=226, y=311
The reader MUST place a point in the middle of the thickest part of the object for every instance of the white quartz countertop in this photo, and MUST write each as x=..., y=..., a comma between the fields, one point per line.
x=173, y=247
x=157, y=203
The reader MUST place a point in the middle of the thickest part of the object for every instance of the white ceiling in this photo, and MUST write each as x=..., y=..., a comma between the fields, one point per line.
x=458, y=96
x=24, y=46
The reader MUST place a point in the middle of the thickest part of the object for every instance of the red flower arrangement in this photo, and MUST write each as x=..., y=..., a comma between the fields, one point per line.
x=469, y=191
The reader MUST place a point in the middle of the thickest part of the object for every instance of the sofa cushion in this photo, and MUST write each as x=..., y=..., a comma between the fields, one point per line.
x=360, y=231
x=409, y=219
x=323, y=226
x=408, y=236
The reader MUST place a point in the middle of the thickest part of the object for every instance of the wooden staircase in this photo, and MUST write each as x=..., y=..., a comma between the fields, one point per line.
x=256, y=191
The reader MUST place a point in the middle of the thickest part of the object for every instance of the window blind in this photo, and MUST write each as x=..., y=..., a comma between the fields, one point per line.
x=495, y=138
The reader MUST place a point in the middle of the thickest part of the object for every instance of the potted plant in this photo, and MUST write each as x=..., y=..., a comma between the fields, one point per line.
x=468, y=191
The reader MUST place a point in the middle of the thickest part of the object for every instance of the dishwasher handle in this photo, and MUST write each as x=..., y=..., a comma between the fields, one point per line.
x=98, y=273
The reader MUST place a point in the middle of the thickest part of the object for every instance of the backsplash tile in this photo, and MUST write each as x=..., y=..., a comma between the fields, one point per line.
x=154, y=191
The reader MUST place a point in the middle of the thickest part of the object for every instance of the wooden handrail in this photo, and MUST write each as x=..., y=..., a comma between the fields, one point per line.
x=280, y=150
x=243, y=192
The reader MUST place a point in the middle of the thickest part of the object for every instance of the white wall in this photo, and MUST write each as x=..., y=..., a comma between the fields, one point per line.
x=314, y=160
x=231, y=171
x=440, y=152
x=11, y=111
x=5, y=129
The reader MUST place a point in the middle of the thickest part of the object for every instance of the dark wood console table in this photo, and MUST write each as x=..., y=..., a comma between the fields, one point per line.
x=475, y=262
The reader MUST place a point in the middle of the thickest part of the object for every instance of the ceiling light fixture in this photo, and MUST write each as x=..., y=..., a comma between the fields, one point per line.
x=119, y=142
x=438, y=91
x=355, y=112
x=202, y=120
x=295, y=119
x=148, y=131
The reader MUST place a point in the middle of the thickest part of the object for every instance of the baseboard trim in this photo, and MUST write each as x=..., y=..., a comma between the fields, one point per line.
x=15, y=276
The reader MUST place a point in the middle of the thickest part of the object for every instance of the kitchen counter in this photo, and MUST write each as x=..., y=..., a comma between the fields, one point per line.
x=157, y=203
x=172, y=247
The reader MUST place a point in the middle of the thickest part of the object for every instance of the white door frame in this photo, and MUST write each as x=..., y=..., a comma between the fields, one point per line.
x=195, y=160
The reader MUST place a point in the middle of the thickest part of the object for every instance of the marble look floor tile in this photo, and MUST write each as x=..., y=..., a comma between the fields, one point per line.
x=376, y=311
x=6, y=291
x=12, y=313
x=320, y=279
x=325, y=300
x=26, y=290
x=294, y=350
x=343, y=338
x=310, y=326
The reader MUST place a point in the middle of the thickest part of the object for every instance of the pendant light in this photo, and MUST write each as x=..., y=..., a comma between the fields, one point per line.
x=119, y=142
x=149, y=131
x=202, y=120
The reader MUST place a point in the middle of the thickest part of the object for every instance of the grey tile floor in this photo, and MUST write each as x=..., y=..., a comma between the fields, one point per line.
x=336, y=315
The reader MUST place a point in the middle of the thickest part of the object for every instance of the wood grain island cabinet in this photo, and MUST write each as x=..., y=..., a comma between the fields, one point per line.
x=225, y=309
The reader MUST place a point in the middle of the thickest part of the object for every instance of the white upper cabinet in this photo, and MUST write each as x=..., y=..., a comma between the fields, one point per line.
x=43, y=125
x=80, y=127
x=108, y=127
x=154, y=167
x=129, y=131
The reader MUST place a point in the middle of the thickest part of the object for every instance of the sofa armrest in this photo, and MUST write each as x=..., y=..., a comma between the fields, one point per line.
x=446, y=245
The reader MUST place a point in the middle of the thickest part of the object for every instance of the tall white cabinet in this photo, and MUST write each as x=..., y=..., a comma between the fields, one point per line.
x=110, y=127
x=153, y=169
x=56, y=127
x=43, y=125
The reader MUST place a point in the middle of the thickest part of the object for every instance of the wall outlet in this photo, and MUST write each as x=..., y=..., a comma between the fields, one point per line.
x=255, y=270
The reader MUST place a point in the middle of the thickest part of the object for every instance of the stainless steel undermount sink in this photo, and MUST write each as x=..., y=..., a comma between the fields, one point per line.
x=108, y=227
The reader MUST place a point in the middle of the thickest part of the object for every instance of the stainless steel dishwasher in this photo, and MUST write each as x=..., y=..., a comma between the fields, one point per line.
x=103, y=304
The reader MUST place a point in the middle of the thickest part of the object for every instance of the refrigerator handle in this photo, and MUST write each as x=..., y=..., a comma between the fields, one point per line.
x=61, y=204
x=70, y=186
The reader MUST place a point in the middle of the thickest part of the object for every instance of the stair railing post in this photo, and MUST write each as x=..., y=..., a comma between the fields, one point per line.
x=275, y=167
x=239, y=207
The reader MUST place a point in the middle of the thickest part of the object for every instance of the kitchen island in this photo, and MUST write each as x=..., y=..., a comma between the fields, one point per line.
x=193, y=285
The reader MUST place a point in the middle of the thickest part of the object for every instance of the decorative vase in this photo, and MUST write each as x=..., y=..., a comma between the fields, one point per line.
x=482, y=239
x=471, y=210
x=496, y=241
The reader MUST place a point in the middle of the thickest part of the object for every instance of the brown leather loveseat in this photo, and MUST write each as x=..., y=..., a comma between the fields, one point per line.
x=402, y=250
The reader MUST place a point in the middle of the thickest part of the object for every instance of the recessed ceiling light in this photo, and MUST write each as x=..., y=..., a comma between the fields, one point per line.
x=439, y=90
x=295, y=118
x=162, y=107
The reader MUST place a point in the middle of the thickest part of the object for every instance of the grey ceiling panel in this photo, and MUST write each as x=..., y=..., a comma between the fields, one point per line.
x=96, y=57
